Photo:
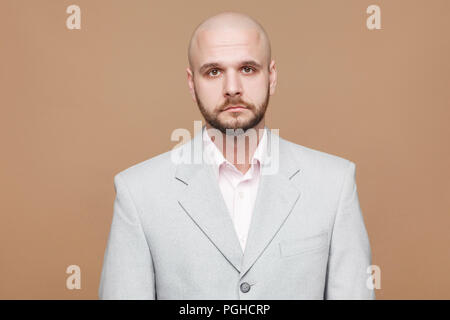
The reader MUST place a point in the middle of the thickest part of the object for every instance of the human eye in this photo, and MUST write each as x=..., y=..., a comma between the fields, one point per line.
x=213, y=72
x=248, y=70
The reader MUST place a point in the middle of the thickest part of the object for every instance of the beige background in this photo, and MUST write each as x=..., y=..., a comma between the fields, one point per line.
x=78, y=106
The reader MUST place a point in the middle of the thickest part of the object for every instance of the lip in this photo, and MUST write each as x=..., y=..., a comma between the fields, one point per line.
x=235, y=108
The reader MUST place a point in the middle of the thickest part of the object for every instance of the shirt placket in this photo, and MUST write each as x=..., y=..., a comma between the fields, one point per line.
x=240, y=206
x=239, y=209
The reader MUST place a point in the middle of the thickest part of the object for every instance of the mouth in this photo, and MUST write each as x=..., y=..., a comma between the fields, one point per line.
x=235, y=108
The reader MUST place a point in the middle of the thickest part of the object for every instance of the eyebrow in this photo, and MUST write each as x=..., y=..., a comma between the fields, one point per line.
x=206, y=66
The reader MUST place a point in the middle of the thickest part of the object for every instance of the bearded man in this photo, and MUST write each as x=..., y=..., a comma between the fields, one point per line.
x=259, y=217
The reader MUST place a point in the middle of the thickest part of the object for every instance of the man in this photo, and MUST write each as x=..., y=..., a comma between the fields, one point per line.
x=229, y=229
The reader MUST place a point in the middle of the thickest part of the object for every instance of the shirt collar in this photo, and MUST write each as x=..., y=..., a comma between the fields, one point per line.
x=214, y=155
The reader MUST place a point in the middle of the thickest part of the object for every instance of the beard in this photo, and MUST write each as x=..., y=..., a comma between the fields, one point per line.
x=238, y=119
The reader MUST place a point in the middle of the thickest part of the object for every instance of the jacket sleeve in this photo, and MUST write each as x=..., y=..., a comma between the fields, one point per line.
x=350, y=253
x=128, y=271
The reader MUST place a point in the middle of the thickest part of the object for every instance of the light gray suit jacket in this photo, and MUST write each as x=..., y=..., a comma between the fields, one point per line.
x=172, y=238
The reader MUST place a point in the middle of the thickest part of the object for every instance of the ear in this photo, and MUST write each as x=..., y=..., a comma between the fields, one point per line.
x=190, y=79
x=272, y=77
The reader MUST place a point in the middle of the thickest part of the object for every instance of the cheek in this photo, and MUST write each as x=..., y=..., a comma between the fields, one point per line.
x=256, y=89
x=210, y=93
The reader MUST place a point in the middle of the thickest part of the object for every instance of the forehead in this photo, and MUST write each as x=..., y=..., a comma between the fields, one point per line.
x=228, y=45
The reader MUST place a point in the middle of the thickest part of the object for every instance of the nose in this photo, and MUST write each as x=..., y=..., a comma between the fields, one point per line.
x=232, y=85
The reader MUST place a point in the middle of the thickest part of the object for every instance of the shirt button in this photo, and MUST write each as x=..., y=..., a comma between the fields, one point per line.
x=241, y=195
x=245, y=287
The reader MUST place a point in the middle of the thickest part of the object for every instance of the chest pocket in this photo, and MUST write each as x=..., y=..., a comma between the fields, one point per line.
x=308, y=244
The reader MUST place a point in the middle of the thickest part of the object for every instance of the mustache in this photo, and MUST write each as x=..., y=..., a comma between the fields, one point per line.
x=229, y=103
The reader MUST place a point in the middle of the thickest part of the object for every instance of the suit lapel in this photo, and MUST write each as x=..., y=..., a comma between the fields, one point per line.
x=202, y=200
x=275, y=199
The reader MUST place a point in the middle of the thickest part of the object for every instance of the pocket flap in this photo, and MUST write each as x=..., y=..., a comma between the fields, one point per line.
x=306, y=244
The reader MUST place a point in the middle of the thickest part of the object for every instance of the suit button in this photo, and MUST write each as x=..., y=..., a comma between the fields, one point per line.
x=245, y=287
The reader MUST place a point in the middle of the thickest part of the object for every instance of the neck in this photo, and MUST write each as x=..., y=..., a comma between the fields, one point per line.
x=237, y=144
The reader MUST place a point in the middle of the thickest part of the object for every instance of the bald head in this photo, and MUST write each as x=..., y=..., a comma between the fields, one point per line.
x=228, y=29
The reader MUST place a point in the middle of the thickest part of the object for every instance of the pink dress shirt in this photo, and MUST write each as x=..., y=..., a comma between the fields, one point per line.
x=238, y=190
